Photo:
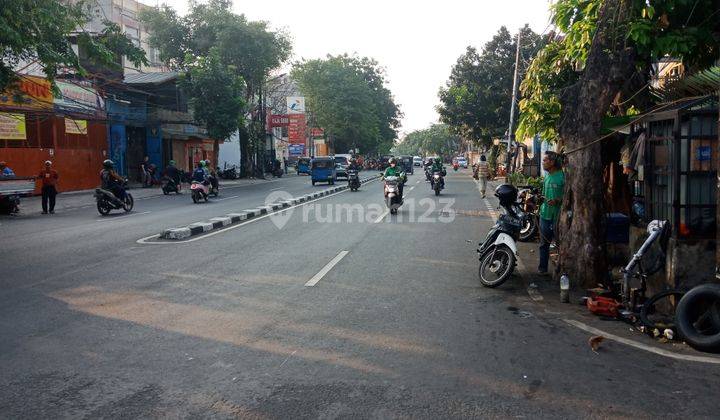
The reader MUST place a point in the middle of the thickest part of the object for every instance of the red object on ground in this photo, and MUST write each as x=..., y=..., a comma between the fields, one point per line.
x=603, y=306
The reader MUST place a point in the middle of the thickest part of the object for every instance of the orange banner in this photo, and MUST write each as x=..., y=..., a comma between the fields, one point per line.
x=30, y=92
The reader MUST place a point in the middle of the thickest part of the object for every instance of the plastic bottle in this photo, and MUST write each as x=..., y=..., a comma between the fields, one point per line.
x=564, y=288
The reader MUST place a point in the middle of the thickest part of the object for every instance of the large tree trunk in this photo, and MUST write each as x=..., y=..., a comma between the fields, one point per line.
x=582, y=221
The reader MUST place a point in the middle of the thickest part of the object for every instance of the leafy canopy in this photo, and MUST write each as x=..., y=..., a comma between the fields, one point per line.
x=349, y=99
x=437, y=139
x=42, y=31
x=686, y=30
x=474, y=102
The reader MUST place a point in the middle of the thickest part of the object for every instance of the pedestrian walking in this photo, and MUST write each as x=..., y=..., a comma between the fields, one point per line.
x=482, y=172
x=553, y=186
x=145, y=176
x=48, y=178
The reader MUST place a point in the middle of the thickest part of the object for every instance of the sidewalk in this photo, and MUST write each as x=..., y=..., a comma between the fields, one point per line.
x=541, y=295
x=84, y=198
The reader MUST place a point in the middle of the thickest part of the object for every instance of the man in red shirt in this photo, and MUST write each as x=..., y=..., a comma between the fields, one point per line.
x=48, y=177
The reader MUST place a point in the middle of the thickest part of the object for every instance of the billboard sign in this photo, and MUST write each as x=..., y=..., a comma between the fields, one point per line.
x=78, y=98
x=295, y=104
x=279, y=120
x=296, y=128
x=296, y=149
x=30, y=92
x=12, y=126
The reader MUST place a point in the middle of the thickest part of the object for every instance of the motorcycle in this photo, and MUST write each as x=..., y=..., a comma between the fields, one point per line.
x=455, y=167
x=437, y=182
x=228, y=173
x=353, y=179
x=278, y=172
x=498, y=252
x=529, y=203
x=9, y=204
x=106, y=201
x=169, y=185
x=200, y=191
x=428, y=174
x=392, y=193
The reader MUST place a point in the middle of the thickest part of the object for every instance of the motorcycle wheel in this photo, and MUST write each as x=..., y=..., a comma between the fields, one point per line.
x=206, y=196
x=165, y=191
x=697, y=317
x=103, y=208
x=496, y=266
x=195, y=197
x=529, y=229
x=129, y=203
x=437, y=189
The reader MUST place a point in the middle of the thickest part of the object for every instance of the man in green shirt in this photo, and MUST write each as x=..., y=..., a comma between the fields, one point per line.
x=553, y=187
x=395, y=170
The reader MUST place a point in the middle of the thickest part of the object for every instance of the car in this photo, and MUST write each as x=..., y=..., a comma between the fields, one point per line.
x=341, y=164
x=417, y=161
x=462, y=162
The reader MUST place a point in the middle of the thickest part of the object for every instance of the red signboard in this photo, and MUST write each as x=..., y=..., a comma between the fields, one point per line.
x=279, y=121
x=317, y=132
x=296, y=128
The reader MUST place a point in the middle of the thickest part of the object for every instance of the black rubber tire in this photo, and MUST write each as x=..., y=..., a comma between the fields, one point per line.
x=484, y=260
x=437, y=191
x=690, y=311
x=206, y=197
x=313, y=182
x=529, y=234
x=648, y=308
x=103, y=208
x=166, y=192
x=129, y=203
x=195, y=197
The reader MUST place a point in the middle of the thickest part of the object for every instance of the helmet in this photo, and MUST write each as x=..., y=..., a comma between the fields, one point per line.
x=107, y=163
x=203, y=163
x=48, y=163
x=391, y=161
x=507, y=194
x=172, y=163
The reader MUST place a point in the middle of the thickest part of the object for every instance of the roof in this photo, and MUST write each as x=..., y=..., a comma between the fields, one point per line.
x=150, y=78
x=701, y=83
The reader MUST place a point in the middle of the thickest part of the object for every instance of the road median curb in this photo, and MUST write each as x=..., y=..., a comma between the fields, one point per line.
x=198, y=228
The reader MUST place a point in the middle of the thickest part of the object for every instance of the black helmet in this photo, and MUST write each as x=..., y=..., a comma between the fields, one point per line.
x=507, y=194
x=107, y=163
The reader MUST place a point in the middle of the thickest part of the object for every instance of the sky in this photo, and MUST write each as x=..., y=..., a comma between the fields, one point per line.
x=416, y=41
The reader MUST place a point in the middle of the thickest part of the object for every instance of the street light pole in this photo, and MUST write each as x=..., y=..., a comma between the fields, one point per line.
x=510, y=135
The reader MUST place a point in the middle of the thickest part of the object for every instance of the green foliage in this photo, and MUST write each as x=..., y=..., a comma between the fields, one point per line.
x=475, y=101
x=438, y=140
x=42, y=29
x=683, y=29
x=214, y=45
x=215, y=94
x=348, y=98
x=519, y=180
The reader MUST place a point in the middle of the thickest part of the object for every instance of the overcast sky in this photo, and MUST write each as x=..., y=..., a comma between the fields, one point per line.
x=416, y=41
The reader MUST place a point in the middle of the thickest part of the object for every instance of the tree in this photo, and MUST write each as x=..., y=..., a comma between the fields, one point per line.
x=213, y=35
x=474, y=102
x=437, y=140
x=605, y=51
x=42, y=30
x=349, y=99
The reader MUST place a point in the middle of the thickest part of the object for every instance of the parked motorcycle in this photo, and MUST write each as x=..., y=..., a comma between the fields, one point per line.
x=437, y=182
x=498, y=252
x=169, y=185
x=106, y=201
x=228, y=173
x=392, y=193
x=9, y=203
x=200, y=191
x=529, y=200
x=353, y=179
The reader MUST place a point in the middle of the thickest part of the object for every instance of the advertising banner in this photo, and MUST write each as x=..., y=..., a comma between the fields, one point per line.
x=317, y=132
x=296, y=149
x=78, y=98
x=295, y=104
x=12, y=126
x=75, y=126
x=296, y=128
x=30, y=93
x=279, y=120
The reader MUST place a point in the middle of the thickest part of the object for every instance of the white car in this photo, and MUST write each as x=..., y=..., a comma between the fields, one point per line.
x=462, y=162
x=417, y=161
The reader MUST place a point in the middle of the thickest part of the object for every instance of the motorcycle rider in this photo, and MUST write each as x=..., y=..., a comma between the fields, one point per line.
x=199, y=174
x=394, y=170
x=437, y=166
x=210, y=174
x=111, y=181
x=173, y=173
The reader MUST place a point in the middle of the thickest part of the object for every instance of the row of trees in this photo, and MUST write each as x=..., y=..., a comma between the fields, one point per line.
x=437, y=140
x=349, y=99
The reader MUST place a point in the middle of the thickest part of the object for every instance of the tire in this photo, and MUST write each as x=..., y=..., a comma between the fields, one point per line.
x=103, y=208
x=437, y=190
x=195, y=197
x=697, y=317
x=393, y=211
x=313, y=182
x=206, y=197
x=657, y=312
x=500, y=260
x=129, y=203
x=529, y=230
x=166, y=192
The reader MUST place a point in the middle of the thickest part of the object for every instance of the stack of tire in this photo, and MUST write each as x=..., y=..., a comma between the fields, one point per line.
x=697, y=317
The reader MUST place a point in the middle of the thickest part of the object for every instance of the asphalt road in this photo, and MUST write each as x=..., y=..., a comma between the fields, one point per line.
x=332, y=310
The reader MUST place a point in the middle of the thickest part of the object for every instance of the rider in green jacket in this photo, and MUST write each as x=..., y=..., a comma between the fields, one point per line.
x=394, y=170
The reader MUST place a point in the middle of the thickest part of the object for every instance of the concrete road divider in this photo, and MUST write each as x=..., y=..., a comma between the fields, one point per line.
x=198, y=228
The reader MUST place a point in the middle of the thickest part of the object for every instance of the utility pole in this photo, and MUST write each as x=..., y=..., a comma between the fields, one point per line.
x=510, y=135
